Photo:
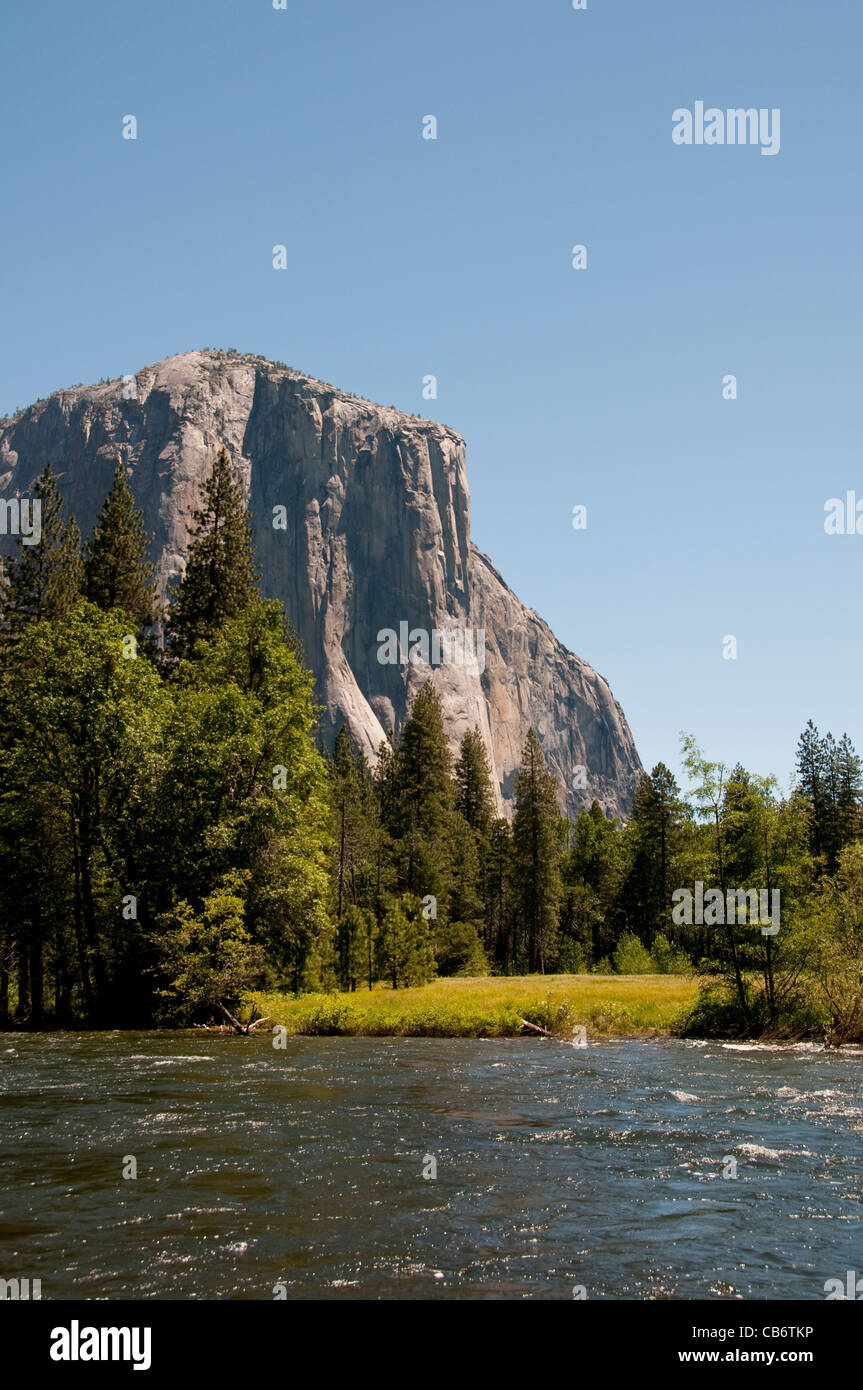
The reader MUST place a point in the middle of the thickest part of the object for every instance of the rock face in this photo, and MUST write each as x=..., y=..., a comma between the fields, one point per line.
x=361, y=524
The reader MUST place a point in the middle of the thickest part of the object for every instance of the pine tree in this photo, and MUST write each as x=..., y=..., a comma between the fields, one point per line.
x=537, y=853
x=220, y=579
x=591, y=873
x=820, y=773
x=117, y=573
x=44, y=580
x=497, y=879
x=850, y=790
x=419, y=796
x=474, y=797
x=653, y=832
x=354, y=840
x=424, y=769
x=404, y=944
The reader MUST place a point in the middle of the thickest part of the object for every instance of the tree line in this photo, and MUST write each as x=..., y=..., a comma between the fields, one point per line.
x=173, y=834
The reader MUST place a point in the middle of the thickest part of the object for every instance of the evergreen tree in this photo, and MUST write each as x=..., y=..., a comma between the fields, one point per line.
x=497, y=880
x=355, y=840
x=592, y=872
x=537, y=853
x=474, y=798
x=653, y=835
x=245, y=788
x=814, y=784
x=354, y=940
x=80, y=776
x=829, y=777
x=849, y=791
x=220, y=579
x=44, y=580
x=474, y=801
x=420, y=801
x=405, y=952
x=117, y=573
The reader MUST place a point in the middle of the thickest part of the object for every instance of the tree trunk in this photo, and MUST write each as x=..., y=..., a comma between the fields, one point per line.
x=23, y=962
x=37, y=977
x=4, y=981
x=80, y=946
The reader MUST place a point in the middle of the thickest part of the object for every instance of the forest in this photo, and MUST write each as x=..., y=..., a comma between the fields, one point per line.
x=174, y=834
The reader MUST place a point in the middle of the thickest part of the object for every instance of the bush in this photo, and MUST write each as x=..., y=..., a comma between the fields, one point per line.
x=631, y=957
x=553, y=1015
x=572, y=958
x=668, y=959
x=328, y=1016
x=610, y=1017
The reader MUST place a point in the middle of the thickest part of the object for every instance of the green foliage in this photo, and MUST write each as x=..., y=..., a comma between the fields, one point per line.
x=169, y=831
x=536, y=854
x=43, y=581
x=249, y=789
x=81, y=764
x=573, y=958
x=220, y=580
x=474, y=799
x=837, y=948
x=459, y=951
x=667, y=959
x=830, y=779
x=207, y=958
x=404, y=946
x=631, y=957
x=117, y=573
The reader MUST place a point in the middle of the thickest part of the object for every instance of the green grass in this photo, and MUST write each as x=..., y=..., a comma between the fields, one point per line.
x=492, y=1007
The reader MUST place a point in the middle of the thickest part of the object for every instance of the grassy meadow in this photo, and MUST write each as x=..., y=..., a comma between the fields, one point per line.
x=483, y=1006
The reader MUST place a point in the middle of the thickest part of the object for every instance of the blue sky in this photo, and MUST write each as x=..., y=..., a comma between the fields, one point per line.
x=407, y=256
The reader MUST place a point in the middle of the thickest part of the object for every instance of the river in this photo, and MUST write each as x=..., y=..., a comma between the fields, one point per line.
x=553, y=1171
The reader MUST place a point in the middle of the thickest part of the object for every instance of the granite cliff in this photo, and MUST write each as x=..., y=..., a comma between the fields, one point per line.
x=361, y=523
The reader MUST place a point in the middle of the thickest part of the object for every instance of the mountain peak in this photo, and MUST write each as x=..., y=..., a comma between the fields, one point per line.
x=361, y=520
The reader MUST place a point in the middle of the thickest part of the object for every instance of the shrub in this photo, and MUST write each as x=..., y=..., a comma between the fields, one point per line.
x=631, y=957
x=572, y=958
x=668, y=959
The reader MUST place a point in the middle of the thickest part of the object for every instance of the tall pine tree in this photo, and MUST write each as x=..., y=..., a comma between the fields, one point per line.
x=474, y=797
x=537, y=854
x=220, y=579
x=117, y=573
x=44, y=580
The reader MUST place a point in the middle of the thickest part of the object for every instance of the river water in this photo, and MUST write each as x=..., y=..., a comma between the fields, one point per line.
x=264, y=1173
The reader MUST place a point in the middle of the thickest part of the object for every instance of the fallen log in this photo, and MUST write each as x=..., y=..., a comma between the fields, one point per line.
x=244, y=1029
x=535, y=1028
x=235, y=1023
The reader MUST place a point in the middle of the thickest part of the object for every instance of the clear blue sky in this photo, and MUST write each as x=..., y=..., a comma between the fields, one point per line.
x=452, y=257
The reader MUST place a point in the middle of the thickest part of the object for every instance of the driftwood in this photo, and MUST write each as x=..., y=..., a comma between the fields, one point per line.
x=244, y=1029
x=535, y=1028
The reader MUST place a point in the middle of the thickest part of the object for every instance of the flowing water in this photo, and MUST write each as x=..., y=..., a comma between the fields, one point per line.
x=264, y=1173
